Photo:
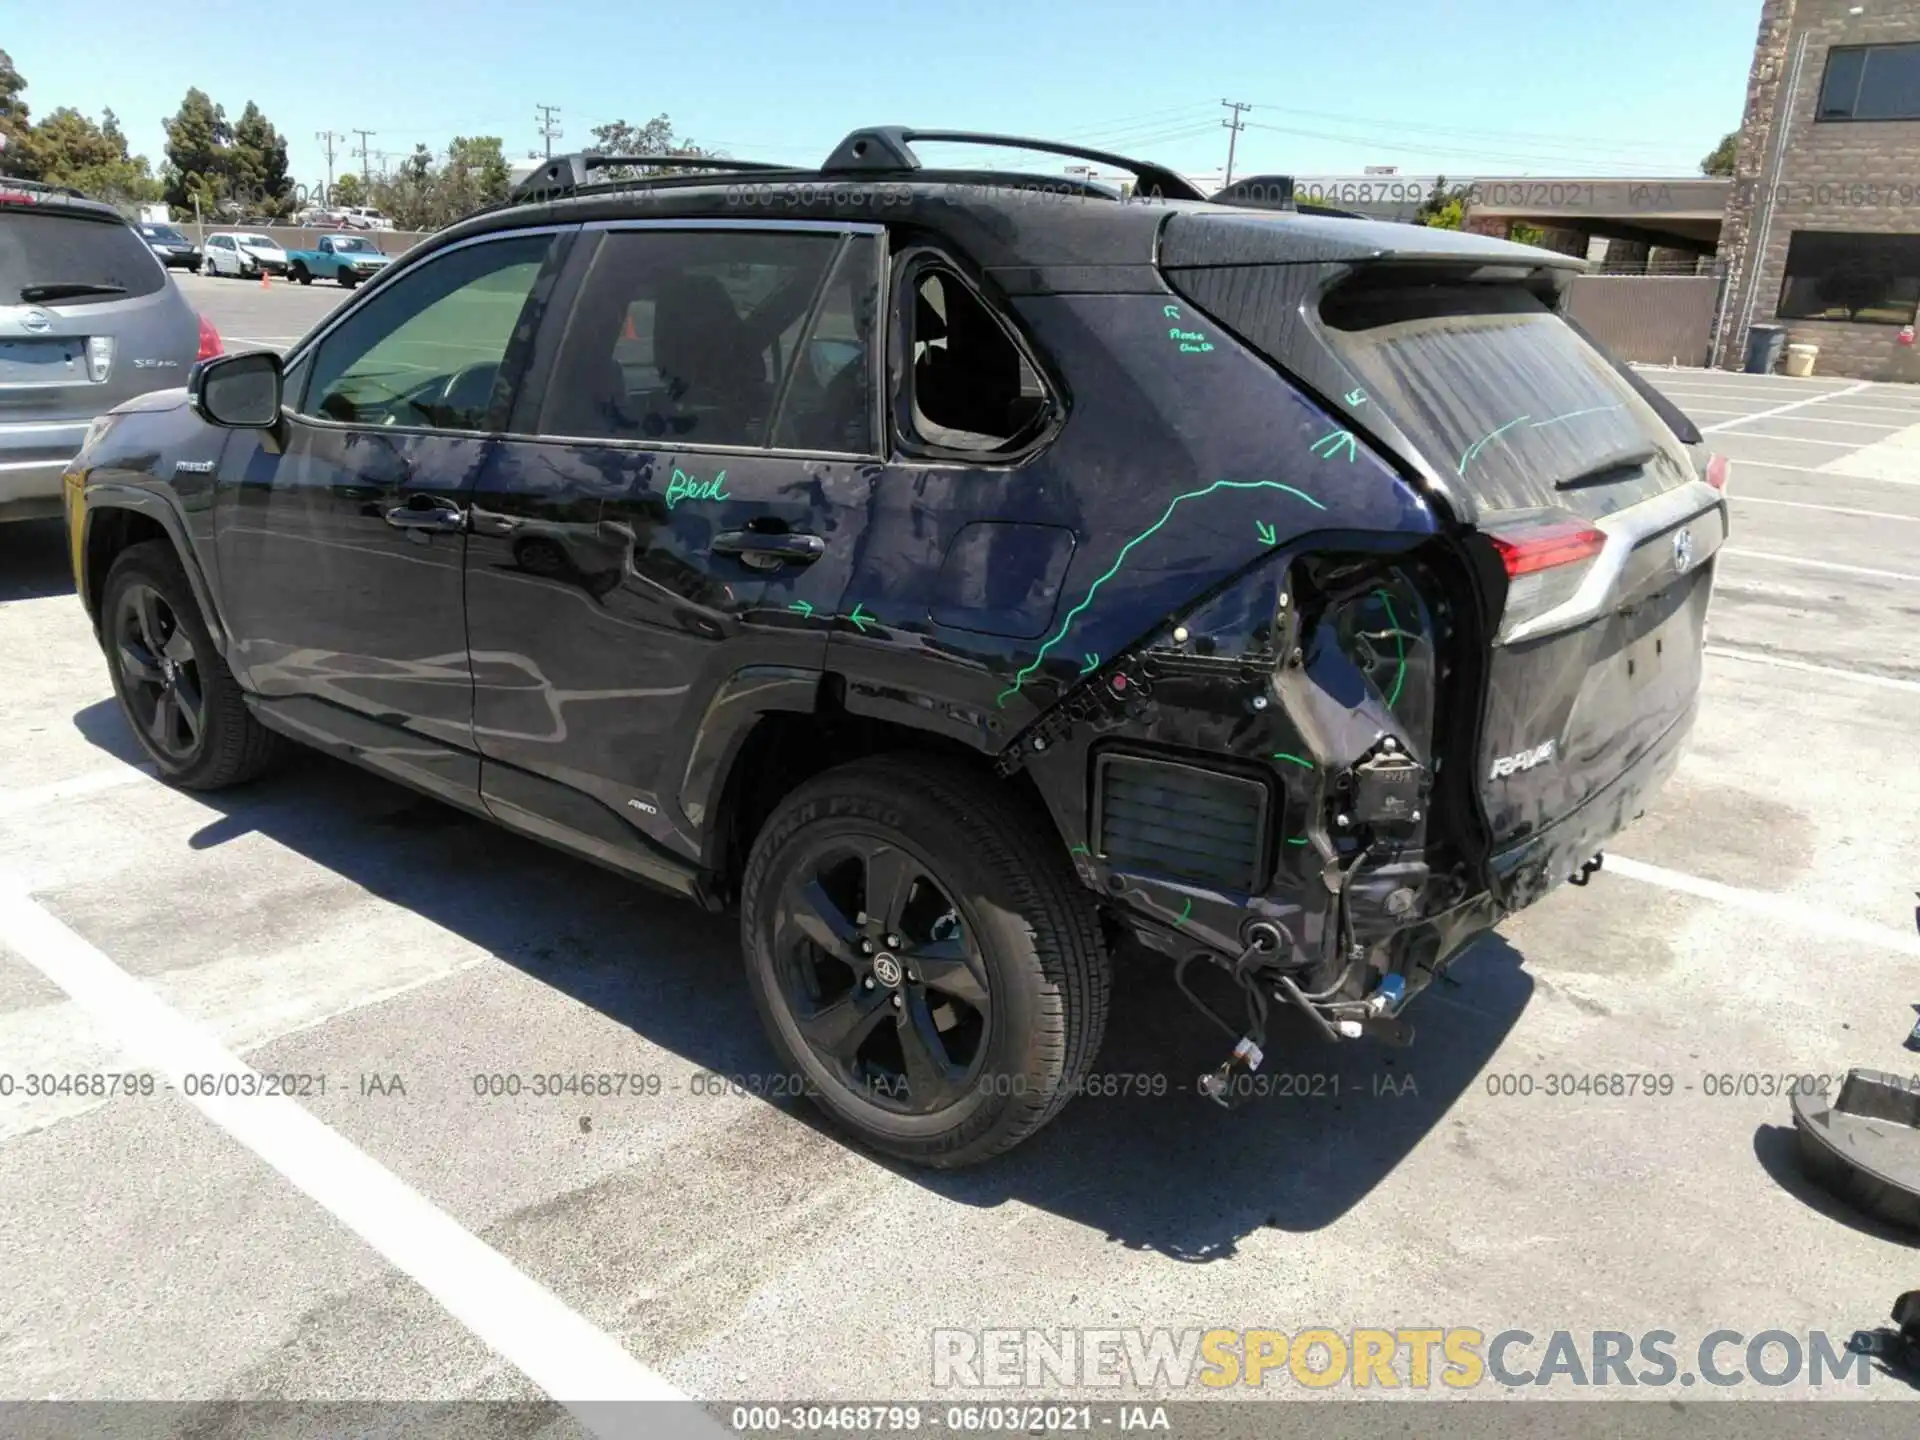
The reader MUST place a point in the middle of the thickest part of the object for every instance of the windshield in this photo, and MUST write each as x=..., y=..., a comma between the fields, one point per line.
x=350, y=242
x=260, y=242
x=41, y=247
x=166, y=234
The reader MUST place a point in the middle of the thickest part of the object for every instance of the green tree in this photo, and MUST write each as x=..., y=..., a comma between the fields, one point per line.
x=656, y=137
x=1445, y=207
x=1719, y=160
x=1522, y=233
x=256, y=164
x=70, y=149
x=17, y=158
x=197, y=139
x=476, y=174
x=410, y=196
x=347, y=190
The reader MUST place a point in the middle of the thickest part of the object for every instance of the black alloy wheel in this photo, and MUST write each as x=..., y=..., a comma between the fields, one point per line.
x=160, y=673
x=881, y=974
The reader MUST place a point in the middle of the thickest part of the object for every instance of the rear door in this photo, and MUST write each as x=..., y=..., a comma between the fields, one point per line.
x=1595, y=534
x=679, y=508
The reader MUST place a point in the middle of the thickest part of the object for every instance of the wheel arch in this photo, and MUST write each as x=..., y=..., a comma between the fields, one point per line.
x=118, y=518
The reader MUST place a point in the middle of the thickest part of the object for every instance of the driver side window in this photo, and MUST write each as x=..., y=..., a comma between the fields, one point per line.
x=426, y=351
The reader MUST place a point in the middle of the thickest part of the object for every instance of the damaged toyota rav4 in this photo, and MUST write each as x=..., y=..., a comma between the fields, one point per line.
x=954, y=574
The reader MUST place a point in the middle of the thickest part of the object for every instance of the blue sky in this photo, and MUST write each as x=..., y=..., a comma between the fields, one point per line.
x=1445, y=86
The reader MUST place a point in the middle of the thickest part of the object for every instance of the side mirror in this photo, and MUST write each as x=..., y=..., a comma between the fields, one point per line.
x=238, y=392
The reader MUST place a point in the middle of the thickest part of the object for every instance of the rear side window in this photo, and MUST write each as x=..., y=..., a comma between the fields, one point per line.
x=686, y=336
x=44, y=247
x=1494, y=388
x=972, y=390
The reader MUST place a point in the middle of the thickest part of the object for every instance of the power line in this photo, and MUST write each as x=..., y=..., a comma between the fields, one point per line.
x=327, y=137
x=548, y=126
x=1234, y=127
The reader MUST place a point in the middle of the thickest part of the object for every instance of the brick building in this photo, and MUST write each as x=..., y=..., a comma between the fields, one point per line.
x=1822, y=229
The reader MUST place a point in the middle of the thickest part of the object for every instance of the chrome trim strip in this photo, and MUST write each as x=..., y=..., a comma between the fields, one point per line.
x=28, y=427
x=1625, y=530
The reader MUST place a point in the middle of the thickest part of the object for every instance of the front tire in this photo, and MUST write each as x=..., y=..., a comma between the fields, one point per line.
x=301, y=274
x=176, y=691
x=922, y=954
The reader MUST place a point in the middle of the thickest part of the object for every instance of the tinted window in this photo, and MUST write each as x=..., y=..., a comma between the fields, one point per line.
x=685, y=335
x=165, y=234
x=829, y=399
x=972, y=388
x=1494, y=388
x=1868, y=279
x=45, y=247
x=428, y=349
x=1872, y=82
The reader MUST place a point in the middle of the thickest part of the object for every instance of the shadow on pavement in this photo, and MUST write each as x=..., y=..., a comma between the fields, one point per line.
x=1776, y=1147
x=1171, y=1174
x=33, y=560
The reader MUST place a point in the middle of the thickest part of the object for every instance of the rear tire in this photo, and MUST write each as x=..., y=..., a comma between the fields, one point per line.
x=179, y=697
x=961, y=1014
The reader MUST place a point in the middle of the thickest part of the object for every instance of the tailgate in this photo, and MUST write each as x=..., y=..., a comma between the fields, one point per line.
x=1579, y=505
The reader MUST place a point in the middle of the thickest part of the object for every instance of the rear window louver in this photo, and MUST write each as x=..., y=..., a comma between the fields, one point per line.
x=1160, y=817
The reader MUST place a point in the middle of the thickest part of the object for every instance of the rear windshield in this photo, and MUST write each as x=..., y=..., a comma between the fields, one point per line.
x=165, y=234
x=46, y=247
x=1493, y=387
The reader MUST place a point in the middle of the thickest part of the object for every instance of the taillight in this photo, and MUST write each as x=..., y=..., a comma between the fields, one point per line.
x=1719, y=471
x=1545, y=558
x=210, y=345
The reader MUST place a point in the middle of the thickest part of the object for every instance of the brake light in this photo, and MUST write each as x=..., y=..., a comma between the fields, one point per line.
x=210, y=345
x=1544, y=547
x=1719, y=471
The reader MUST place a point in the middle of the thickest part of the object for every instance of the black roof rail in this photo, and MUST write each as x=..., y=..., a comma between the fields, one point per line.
x=887, y=149
x=564, y=174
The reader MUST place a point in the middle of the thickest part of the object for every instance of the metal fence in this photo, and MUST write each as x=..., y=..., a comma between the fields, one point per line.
x=1656, y=319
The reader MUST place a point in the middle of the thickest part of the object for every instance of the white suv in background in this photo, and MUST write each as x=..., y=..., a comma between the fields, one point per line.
x=364, y=217
x=242, y=252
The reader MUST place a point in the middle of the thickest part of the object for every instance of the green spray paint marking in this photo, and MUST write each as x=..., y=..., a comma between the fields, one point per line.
x=1355, y=397
x=1399, y=643
x=1185, y=911
x=1481, y=444
x=1293, y=759
x=1265, y=532
x=1300, y=840
x=1334, y=441
x=1121, y=559
x=1093, y=663
x=1078, y=850
x=860, y=617
x=688, y=487
x=803, y=607
x=1574, y=415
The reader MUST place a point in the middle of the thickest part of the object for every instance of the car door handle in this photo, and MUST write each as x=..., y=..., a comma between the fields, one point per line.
x=439, y=515
x=770, y=546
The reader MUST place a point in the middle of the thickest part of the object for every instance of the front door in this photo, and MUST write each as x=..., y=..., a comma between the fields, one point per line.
x=686, y=515
x=341, y=541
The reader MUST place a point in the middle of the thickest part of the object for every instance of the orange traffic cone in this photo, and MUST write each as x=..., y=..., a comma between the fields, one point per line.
x=264, y=279
x=629, y=333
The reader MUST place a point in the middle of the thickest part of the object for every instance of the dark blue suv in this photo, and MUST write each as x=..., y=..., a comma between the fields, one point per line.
x=956, y=573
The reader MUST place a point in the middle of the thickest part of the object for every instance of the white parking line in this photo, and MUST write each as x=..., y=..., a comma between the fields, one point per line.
x=1789, y=406
x=1829, y=509
x=32, y=797
x=1826, y=923
x=574, y=1361
x=1832, y=565
x=1805, y=667
x=1817, y=471
x=1784, y=439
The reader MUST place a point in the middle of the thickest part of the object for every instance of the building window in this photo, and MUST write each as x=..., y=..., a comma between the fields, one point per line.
x=1871, y=82
x=1868, y=279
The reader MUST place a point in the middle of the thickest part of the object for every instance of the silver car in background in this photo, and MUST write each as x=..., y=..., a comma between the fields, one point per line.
x=88, y=319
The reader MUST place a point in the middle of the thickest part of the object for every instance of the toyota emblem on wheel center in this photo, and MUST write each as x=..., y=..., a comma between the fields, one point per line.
x=1683, y=550
x=886, y=969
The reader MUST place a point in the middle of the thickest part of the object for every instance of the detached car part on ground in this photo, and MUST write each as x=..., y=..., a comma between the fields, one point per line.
x=87, y=319
x=1294, y=594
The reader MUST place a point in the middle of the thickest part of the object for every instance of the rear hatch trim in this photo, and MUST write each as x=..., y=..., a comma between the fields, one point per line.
x=1626, y=530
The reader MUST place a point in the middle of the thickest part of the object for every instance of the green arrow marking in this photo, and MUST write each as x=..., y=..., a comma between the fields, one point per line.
x=1078, y=850
x=1293, y=759
x=1093, y=663
x=803, y=607
x=1185, y=911
x=1086, y=600
x=859, y=618
x=1335, y=441
x=1265, y=531
x=1355, y=397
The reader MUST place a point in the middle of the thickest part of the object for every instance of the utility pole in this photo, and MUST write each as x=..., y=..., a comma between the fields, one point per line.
x=326, y=138
x=366, y=175
x=548, y=126
x=1234, y=127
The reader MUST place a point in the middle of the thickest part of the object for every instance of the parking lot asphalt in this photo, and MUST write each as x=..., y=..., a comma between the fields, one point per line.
x=324, y=924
